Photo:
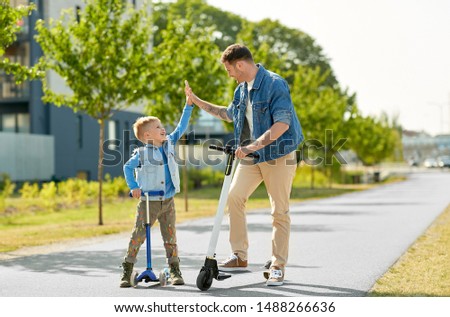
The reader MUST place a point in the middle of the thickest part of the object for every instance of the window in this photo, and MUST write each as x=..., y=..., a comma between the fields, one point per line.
x=15, y=122
x=24, y=22
x=23, y=122
x=18, y=52
x=9, y=122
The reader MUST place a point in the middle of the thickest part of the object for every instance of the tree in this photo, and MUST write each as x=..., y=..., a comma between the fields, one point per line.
x=285, y=50
x=277, y=47
x=373, y=139
x=226, y=24
x=103, y=57
x=10, y=24
x=322, y=111
x=185, y=52
x=316, y=94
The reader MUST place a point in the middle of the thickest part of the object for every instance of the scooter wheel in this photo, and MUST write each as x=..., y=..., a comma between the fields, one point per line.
x=204, y=279
x=133, y=278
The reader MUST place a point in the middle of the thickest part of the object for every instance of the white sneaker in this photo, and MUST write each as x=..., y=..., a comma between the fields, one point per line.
x=276, y=277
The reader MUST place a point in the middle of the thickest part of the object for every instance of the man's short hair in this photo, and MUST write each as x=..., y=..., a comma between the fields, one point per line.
x=236, y=52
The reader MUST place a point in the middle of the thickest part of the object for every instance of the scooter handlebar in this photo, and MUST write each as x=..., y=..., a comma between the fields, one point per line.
x=230, y=150
x=150, y=193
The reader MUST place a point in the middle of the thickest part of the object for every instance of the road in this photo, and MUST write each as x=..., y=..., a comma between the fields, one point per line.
x=339, y=247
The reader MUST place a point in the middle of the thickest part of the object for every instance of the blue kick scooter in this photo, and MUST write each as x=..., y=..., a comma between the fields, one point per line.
x=148, y=275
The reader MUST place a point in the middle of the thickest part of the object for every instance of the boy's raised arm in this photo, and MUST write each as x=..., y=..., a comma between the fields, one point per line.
x=184, y=121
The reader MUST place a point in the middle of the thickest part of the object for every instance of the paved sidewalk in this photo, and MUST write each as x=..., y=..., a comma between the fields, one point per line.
x=339, y=247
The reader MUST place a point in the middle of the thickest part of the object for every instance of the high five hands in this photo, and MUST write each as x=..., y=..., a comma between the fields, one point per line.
x=191, y=98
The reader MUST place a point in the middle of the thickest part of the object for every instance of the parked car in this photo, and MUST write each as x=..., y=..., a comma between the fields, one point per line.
x=430, y=163
x=443, y=161
x=413, y=162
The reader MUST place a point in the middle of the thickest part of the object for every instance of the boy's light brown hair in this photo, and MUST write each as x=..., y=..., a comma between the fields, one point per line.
x=141, y=125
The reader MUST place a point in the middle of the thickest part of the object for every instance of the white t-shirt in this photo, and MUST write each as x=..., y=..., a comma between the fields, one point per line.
x=249, y=110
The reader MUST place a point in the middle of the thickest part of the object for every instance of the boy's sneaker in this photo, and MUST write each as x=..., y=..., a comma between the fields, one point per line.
x=275, y=276
x=126, y=274
x=175, y=274
x=233, y=263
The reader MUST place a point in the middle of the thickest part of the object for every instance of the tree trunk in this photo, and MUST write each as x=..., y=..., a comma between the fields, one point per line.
x=100, y=171
x=330, y=179
x=185, y=178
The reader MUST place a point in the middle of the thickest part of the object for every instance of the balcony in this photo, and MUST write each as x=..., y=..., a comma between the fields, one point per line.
x=17, y=52
x=26, y=157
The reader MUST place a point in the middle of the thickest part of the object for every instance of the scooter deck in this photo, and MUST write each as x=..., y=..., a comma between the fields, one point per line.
x=147, y=276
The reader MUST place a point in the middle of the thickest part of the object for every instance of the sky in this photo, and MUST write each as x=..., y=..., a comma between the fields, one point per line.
x=394, y=54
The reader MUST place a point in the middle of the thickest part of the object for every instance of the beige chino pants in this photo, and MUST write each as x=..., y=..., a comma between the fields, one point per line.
x=277, y=176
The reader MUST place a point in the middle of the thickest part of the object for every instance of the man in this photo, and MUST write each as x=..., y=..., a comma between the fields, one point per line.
x=264, y=122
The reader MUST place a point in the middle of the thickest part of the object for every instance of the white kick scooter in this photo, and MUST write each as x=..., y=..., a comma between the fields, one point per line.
x=210, y=269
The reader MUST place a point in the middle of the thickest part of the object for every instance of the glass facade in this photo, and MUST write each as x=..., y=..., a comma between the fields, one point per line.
x=14, y=98
x=18, y=52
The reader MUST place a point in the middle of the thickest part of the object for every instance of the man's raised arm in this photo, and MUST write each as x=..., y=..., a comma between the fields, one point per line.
x=217, y=111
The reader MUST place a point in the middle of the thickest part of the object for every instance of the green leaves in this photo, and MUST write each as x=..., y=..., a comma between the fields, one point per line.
x=104, y=58
x=284, y=50
x=106, y=61
x=11, y=20
x=186, y=52
x=319, y=107
x=374, y=139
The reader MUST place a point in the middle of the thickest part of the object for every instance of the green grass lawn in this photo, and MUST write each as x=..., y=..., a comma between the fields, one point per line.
x=32, y=228
x=424, y=270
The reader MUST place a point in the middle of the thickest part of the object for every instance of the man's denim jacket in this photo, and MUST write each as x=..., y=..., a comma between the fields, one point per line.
x=271, y=101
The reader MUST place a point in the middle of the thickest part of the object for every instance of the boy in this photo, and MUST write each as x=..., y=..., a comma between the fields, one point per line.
x=156, y=170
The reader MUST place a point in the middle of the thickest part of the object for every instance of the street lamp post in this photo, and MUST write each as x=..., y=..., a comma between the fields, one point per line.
x=442, y=106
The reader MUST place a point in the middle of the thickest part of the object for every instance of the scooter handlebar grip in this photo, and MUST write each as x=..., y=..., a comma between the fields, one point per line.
x=150, y=193
x=254, y=155
x=229, y=149
x=216, y=147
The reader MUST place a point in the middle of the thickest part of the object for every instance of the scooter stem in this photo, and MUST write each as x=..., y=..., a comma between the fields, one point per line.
x=147, y=229
x=221, y=207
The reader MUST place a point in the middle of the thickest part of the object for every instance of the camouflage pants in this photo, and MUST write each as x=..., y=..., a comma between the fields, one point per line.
x=164, y=211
